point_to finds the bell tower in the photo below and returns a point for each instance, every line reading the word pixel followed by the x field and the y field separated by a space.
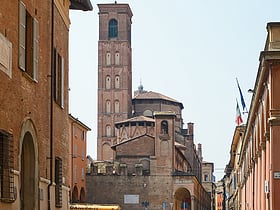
pixel 114 74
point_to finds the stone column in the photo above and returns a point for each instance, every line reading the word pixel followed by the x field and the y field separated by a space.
pixel 193 203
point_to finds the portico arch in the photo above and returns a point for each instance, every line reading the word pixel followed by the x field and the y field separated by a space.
pixel 75 195
pixel 29 175
pixel 82 195
pixel 182 199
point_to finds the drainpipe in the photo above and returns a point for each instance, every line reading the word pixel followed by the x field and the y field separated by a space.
pixel 51 106
pixel 253 155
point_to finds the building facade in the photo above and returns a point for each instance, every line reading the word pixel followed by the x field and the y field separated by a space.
pixel 78 160
pixel 114 74
pixel 208 180
pixel 220 195
pixel 34 158
pixel 150 168
pixel 255 169
pixel 142 148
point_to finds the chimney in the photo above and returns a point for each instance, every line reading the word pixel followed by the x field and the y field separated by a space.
pixel 199 151
pixel 190 131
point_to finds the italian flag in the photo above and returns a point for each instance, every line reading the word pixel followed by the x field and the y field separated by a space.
pixel 238 119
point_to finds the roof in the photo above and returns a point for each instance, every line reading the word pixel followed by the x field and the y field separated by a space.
pixel 131 139
pixel 147 95
pixel 136 119
pixel 116 7
pixel 84 5
pixel 180 146
pixel 71 117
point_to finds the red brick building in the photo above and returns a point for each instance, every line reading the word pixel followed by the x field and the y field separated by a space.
pixel 114 74
pixel 78 160
pixel 34 158
pixel 143 150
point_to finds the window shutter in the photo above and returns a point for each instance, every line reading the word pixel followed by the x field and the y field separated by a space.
pixel 62 82
pixel 55 72
pixel 35 49
pixel 83 174
pixel 22 38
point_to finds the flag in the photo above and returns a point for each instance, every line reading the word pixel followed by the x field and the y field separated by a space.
pixel 241 96
pixel 238 119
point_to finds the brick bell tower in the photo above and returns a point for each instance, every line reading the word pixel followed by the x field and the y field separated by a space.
pixel 114 74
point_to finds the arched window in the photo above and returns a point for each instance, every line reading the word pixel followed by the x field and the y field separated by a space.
pixel 108 82
pixel 113 28
pixel 206 178
pixel 108 58
pixel 117 106
pixel 108 106
pixel 108 130
pixel 117 82
pixel 164 127
pixel 117 58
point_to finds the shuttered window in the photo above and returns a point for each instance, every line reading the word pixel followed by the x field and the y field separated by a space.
pixel 28 42
pixel 22 29
pixel 58 78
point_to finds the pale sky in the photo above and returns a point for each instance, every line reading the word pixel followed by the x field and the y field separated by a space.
pixel 189 50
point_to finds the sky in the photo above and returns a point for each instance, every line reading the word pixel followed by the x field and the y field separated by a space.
pixel 189 50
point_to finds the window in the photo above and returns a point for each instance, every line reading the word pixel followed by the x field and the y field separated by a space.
pixel 58 182
pixel 28 43
pixel 58 79
pixel 75 174
pixel 75 151
pixel 108 106
pixel 117 106
pixel 117 58
pixel 108 58
pixel 113 28
pixel 83 174
pixel 83 135
pixel 117 82
pixel 108 130
pixel 206 177
pixel 108 82
pixel 75 131
pixel 164 127
pixel 83 154
pixel 6 167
